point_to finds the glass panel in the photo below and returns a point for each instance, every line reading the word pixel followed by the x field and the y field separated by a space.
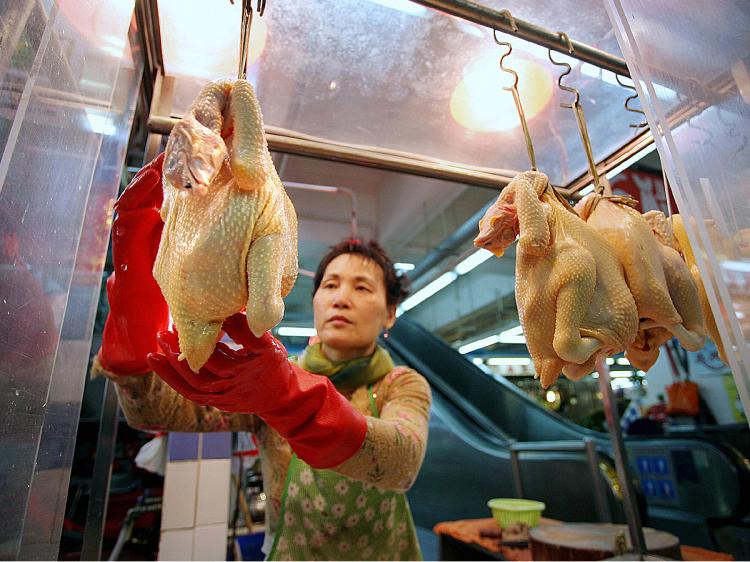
pixel 393 74
pixel 704 150
pixel 67 84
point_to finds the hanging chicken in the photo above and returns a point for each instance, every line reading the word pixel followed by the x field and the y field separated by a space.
pixel 230 232
pixel 664 292
pixel 572 299
pixel 674 235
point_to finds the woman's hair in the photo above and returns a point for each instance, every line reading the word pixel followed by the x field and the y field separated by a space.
pixel 396 286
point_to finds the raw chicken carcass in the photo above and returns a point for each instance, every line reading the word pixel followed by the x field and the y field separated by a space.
pixel 677 235
pixel 664 293
pixel 230 232
pixel 572 299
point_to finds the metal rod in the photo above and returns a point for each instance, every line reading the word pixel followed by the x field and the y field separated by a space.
pixel 245 25
pixel 515 465
pixel 526 134
pixel 405 163
pixel 600 493
pixel 99 493
pixel 494 19
pixel 332 189
pixel 632 514
pixel 584 131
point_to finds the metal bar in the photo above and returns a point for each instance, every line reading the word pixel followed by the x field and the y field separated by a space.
pixel 632 515
pixel 99 494
pixel 494 19
pixel 600 493
pixel 408 164
pixel 515 465
pixel 550 446
pixel 161 104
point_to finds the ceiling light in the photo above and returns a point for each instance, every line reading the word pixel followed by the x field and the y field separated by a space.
pixel 474 260
pixel 403 266
pixel 428 290
pixel 478 361
pixel 480 104
pixel 514 335
pixel 100 123
pixel 479 344
pixel 551 396
pixel 296 331
pixel 610 361
pixel 202 42
pixel 508 361
pixel 623 361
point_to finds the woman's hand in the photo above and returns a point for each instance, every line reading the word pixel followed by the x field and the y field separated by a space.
pixel 137 309
pixel 320 424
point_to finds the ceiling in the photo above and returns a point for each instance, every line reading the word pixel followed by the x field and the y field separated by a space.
pixel 396 75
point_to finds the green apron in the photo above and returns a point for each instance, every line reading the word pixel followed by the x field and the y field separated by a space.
pixel 327 516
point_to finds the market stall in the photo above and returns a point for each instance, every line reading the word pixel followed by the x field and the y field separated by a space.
pixel 388 119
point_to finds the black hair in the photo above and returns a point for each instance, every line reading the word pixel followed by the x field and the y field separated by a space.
pixel 396 286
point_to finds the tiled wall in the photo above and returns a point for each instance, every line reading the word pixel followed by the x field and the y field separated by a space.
pixel 196 497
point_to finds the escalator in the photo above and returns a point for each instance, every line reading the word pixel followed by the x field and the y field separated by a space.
pixel 692 487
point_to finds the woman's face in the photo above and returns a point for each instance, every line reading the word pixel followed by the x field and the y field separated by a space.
pixel 350 307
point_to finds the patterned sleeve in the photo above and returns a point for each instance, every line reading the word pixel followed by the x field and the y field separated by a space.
pixel 149 403
pixel 395 443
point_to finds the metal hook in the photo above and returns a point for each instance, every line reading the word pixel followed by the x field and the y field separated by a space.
pixel 578 110
pixel 511 19
pixel 733 134
pixel 627 103
pixel 245 25
pixel 709 135
pixel 514 90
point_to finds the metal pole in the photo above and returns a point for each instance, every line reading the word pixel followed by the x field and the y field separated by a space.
pixel 600 494
pixel 632 515
pixel 515 464
pixel 494 19
pixel 99 494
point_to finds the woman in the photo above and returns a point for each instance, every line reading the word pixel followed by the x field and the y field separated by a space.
pixel 342 434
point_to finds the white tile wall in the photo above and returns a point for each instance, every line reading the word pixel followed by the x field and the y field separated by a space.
pixel 178 510
pixel 213 492
pixel 176 544
pixel 210 542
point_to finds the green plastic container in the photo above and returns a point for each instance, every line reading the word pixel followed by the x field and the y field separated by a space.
pixel 507 511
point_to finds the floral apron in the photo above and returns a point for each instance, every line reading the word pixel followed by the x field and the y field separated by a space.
pixel 327 516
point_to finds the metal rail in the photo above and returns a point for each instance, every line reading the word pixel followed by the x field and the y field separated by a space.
pixel 494 19
pixel 392 160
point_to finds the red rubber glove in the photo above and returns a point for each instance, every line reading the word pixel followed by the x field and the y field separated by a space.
pixel 137 309
pixel 320 424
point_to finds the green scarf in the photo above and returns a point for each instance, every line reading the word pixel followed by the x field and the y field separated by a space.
pixel 351 374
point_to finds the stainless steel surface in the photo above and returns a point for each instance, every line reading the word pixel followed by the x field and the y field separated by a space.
pixel 483 15
pixel 624 475
pixel 96 513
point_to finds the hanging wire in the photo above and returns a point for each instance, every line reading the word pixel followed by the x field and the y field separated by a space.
pixel 245 26
pixel 514 89
pixel 578 110
pixel 643 123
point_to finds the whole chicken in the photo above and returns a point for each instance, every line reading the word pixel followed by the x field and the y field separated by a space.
pixel 664 293
pixel 675 236
pixel 572 299
pixel 230 232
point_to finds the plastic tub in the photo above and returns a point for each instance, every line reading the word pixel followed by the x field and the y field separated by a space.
pixel 507 511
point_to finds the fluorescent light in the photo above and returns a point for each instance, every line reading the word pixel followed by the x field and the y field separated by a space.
pixel 295 331
pixel 610 361
pixel 586 190
pixel 478 361
pixel 404 6
pixel 100 123
pixel 551 396
pixel 428 290
pixel 514 335
pixel 740 266
pixel 506 361
pixel 623 361
pixel 479 344
pixel 621 374
pixel 630 161
pixel 475 259
pixel 403 266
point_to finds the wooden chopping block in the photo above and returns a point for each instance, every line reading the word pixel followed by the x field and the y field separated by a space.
pixel 594 541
